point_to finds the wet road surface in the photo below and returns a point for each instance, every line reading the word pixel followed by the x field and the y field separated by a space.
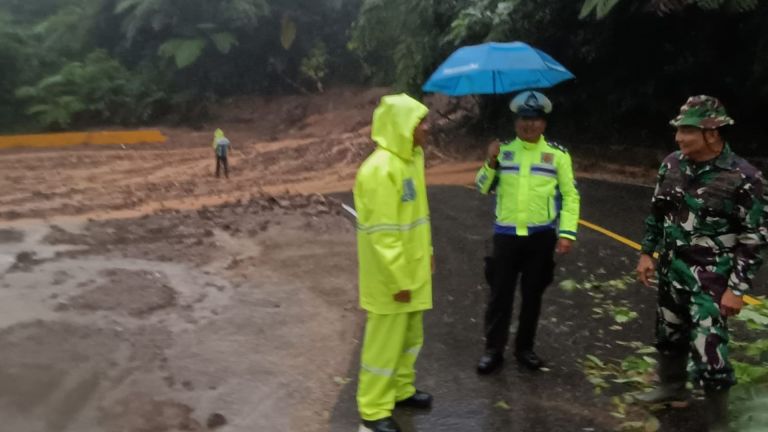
pixel 560 399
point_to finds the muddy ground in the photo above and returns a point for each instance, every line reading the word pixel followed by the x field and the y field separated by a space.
pixel 178 321
pixel 139 293
pixel 294 144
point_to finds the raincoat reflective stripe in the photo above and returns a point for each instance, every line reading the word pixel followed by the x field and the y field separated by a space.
pixel 391 227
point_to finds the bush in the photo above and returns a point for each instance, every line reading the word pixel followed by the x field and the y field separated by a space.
pixel 96 90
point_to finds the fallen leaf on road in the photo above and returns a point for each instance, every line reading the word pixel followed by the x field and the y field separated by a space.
pixel 341 380
pixel 569 285
pixel 502 404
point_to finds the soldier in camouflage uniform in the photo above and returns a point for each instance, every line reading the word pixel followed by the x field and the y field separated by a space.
pixel 707 222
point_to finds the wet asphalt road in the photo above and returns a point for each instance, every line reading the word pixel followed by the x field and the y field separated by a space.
pixel 560 399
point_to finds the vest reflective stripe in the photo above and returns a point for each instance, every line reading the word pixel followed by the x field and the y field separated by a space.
pixel 544 167
pixel 481 180
pixel 509 168
pixel 548 224
pixel 544 170
pixel 500 228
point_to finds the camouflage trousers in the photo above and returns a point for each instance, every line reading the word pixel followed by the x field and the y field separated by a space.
pixel 688 320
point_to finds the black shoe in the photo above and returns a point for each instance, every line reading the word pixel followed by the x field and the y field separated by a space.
pixel 529 359
pixel 489 363
pixel 386 424
pixel 419 400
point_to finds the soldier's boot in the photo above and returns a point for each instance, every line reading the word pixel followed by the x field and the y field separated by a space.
pixel 671 390
pixel 717 410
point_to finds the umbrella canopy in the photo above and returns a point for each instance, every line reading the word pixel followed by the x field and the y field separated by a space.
pixel 493 68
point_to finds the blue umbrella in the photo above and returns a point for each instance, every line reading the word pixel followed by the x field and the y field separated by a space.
pixel 493 68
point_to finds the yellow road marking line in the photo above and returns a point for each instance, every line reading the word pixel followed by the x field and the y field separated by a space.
pixel 613 235
pixel 636 246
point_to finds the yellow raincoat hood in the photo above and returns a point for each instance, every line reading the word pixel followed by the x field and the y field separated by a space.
pixel 394 121
pixel 216 135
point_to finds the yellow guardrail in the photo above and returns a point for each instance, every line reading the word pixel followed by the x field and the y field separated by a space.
pixel 82 138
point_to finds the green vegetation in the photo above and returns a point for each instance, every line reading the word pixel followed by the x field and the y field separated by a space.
pixel 77 63
pixel 98 89
pixel 602 7
pixel 618 377
pixel 635 62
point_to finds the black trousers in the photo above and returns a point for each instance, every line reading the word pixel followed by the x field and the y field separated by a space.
pixel 222 161
pixel 532 259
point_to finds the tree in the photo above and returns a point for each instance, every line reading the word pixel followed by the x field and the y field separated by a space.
pixel 315 65
pixel 396 38
pixel 601 8
pixel 14 57
pixel 634 65
pixel 187 28
pixel 95 90
pixel 67 32
pixel 308 44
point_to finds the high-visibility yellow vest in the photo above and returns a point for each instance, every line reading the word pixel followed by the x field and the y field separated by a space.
pixel 535 189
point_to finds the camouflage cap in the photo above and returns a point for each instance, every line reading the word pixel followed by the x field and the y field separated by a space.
pixel 705 112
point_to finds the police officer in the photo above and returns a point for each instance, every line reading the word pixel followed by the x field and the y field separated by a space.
pixel 537 212
pixel 395 260
pixel 707 223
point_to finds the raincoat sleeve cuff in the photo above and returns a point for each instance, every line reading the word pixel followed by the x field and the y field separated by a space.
pixel 484 178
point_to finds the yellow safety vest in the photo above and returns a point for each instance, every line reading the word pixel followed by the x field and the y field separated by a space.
pixel 535 189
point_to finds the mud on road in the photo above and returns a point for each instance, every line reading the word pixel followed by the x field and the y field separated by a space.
pixel 139 293
pixel 179 320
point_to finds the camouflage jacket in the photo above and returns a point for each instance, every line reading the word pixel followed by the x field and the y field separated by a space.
pixel 709 215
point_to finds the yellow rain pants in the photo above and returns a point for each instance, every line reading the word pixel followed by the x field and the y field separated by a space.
pixel 391 345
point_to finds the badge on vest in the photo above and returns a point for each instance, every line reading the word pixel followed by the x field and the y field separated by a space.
pixel 409 190
pixel 547 158
pixel 507 155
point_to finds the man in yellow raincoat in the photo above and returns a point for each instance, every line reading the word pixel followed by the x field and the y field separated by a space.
pixel 395 255
pixel 221 147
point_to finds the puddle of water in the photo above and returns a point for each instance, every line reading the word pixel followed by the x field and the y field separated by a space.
pixel 31 237
pixel 10 236
pixel 6 261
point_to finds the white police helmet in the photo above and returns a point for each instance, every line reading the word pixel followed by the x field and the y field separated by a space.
pixel 531 104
